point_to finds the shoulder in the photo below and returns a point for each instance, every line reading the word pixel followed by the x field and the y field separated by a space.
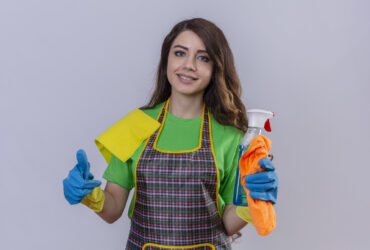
pixel 227 134
pixel 125 136
pixel 154 112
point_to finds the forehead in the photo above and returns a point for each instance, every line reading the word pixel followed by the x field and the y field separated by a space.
pixel 190 40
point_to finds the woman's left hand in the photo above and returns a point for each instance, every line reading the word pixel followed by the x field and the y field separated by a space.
pixel 263 185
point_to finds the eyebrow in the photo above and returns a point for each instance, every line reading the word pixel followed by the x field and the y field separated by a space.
pixel 185 48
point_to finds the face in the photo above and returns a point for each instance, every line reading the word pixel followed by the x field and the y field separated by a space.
pixel 189 67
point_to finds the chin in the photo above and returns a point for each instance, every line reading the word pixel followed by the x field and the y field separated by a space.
pixel 189 93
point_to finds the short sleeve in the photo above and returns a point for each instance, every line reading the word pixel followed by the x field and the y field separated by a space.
pixel 120 173
pixel 227 185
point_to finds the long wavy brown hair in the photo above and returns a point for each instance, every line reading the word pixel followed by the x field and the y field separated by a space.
pixel 223 93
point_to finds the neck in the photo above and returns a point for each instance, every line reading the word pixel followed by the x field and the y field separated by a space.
pixel 185 107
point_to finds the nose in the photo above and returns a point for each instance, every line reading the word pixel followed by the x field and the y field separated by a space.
pixel 190 64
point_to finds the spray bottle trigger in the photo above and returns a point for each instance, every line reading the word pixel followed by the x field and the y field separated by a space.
pixel 267 125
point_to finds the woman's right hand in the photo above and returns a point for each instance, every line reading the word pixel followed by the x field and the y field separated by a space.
pixel 79 181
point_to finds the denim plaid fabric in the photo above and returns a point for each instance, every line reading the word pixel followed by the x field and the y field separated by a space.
pixel 176 197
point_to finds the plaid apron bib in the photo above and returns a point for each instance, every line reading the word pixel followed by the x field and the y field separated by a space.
pixel 176 196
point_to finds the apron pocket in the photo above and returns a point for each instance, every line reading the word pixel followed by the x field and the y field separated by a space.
pixel 204 246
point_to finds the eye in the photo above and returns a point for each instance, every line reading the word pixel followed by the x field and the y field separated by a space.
pixel 179 53
pixel 204 58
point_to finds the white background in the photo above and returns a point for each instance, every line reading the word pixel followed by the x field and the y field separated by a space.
pixel 70 69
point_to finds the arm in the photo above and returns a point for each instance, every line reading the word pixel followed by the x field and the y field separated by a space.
pixel 232 222
pixel 80 187
pixel 114 203
pixel 262 186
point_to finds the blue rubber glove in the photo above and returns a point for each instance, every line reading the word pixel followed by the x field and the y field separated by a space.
pixel 79 182
pixel 263 185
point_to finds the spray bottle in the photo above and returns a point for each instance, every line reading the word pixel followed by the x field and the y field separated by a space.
pixel 257 119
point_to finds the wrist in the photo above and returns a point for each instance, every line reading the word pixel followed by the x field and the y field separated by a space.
pixel 95 200
pixel 245 214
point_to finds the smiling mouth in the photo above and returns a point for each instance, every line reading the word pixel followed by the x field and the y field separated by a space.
pixel 188 78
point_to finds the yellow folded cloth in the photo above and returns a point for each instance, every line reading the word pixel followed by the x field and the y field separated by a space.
pixel 95 199
pixel 125 136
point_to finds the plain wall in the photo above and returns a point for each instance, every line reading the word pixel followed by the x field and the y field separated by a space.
pixel 70 69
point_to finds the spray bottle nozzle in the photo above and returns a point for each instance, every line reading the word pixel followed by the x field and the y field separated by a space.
pixel 267 125
pixel 260 118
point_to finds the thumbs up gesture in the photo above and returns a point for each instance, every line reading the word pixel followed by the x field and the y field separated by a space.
pixel 79 181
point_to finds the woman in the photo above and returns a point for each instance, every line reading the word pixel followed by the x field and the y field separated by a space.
pixel 184 172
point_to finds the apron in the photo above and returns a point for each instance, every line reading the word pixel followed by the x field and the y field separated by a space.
pixel 176 196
